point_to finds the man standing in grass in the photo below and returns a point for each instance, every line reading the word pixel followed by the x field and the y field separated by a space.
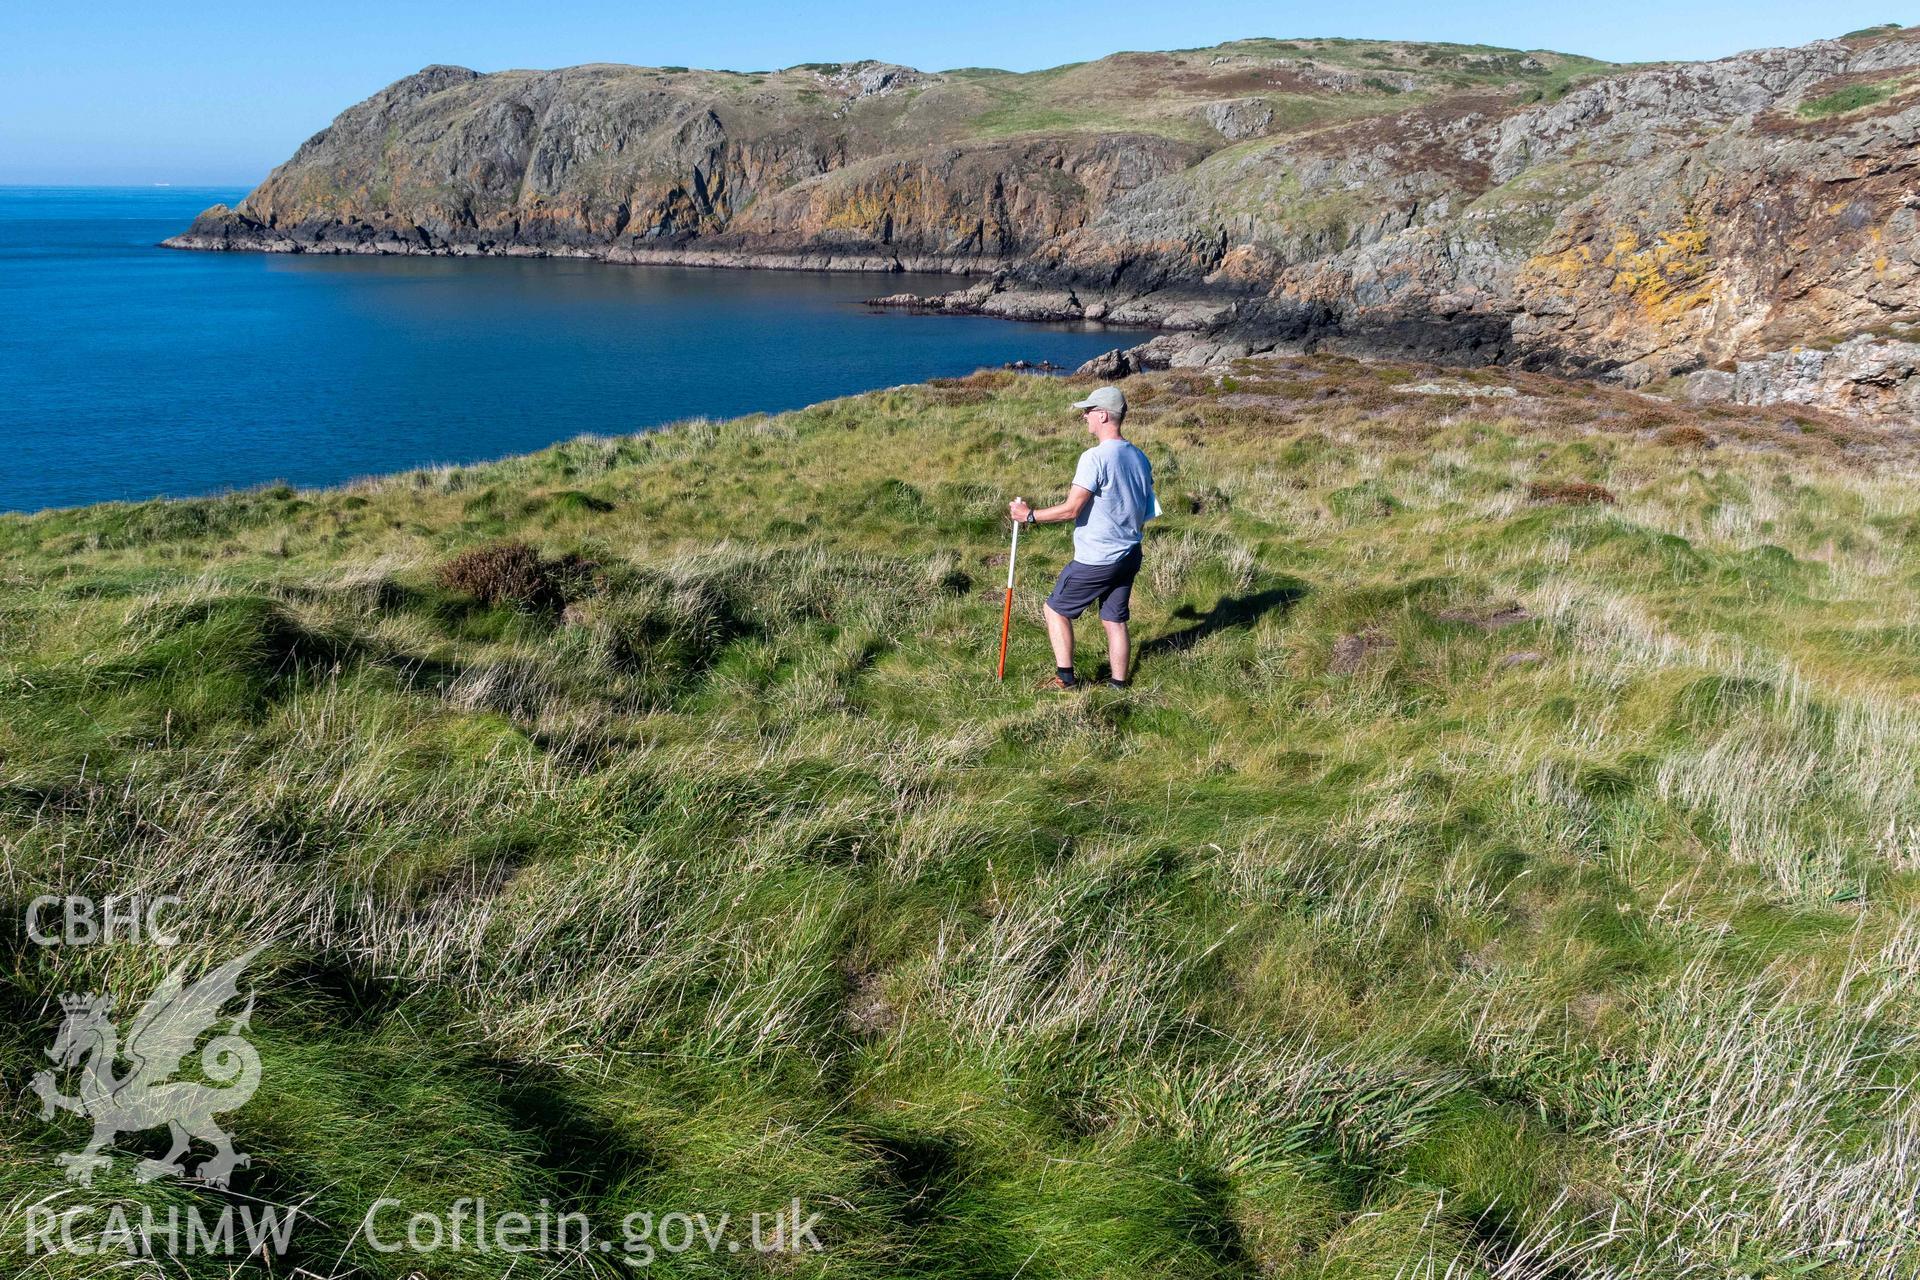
pixel 1110 503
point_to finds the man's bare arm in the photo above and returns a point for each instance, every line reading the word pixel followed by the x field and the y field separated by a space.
pixel 1077 499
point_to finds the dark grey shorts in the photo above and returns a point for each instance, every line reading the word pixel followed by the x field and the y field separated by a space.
pixel 1080 585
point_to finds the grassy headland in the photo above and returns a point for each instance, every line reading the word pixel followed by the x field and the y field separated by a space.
pixel 1503 866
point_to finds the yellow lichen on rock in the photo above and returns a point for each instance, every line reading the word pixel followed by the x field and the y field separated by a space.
pixel 1669 278
pixel 1563 268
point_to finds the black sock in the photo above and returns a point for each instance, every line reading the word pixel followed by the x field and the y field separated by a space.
pixel 1065 674
pixel 1116 682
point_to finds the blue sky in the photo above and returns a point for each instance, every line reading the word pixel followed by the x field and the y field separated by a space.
pixel 157 92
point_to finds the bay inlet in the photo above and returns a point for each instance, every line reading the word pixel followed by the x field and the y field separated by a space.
pixel 131 372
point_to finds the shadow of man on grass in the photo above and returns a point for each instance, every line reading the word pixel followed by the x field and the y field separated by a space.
pixel 1231 611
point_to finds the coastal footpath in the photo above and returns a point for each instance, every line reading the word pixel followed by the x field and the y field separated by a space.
pixel 1740 230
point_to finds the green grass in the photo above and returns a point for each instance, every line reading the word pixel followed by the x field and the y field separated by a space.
pixel 1466 887
pixel 1851 98
pixel 1161 93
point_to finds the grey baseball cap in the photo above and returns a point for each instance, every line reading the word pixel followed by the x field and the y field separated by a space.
pixel 1112 399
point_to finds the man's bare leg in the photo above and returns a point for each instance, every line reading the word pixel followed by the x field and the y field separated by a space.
pixel 1119 648
pixel 1060 633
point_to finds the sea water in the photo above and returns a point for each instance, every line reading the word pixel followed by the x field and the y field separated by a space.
pixel 128 371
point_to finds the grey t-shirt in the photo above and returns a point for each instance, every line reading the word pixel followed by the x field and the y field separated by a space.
pixel 1120 479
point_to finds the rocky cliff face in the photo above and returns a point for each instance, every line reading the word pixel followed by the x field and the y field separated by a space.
pixel 1744 219
pixel 865 167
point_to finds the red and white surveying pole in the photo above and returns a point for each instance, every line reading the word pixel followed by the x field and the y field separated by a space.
pixel 1006 611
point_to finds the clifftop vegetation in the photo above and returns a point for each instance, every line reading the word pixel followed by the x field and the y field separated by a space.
pixel 1504 865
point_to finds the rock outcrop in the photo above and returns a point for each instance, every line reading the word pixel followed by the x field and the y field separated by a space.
pixel 1868 375
pixel 1737 224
